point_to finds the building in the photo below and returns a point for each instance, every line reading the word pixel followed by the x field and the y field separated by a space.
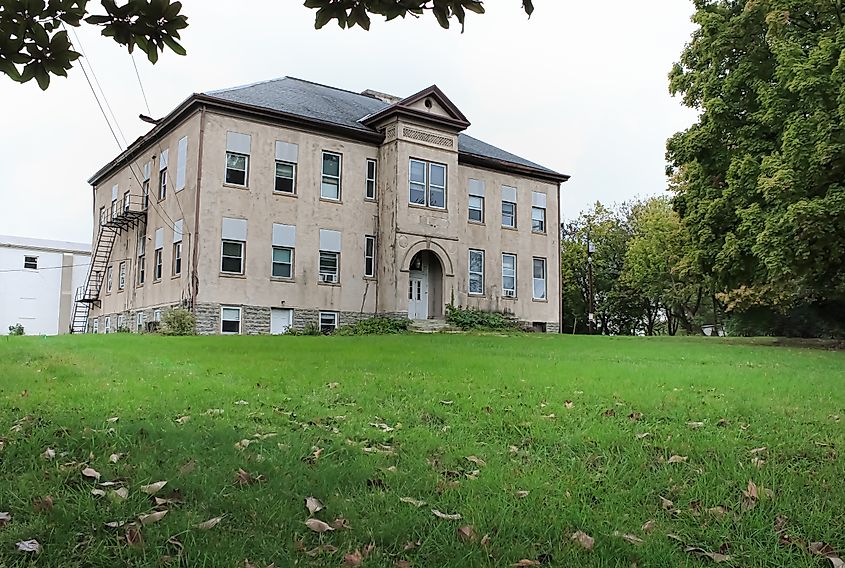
pixel 285 203
pixel 38 279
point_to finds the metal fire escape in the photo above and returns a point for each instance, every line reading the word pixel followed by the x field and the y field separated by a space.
pixel 121 216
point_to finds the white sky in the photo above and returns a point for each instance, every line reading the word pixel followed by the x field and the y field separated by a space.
pixel 581 87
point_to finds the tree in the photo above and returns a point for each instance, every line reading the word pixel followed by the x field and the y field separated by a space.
pixel 761 175
pixel 34 41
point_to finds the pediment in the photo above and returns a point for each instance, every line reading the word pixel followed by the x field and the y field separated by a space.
pixel 430 104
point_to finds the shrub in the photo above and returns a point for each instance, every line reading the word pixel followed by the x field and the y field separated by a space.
pixel 16 329
pixel 471 318
pixel 309 329
pixel 375 326
pixel 178 321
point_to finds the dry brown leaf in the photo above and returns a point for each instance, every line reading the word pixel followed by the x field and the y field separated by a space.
pixel 315 455
pixel 353 560
pixel 152 517
pixel 341 523
pixel 133 535
pixel 610 412
pixel 382 426
pixel 722 423
pixel 153 488
pixel 122 493
pixel 209 524
pixel 751 493
pixel 446 517
pixel 114 458
pixel 31 545
pixel 5 518
pixel 714 556
pixel 243 444
pixel 401 563
pixel 717 511
pixel 188 468
pixel 182 419
pixel 49 454
pixel 585 540
pixel 98 493
pixel 92 473
pixel 318 526
pixel 568 404
pixel 477 461
pixel 245 478
pixel 411 501
pixel 757 462
pixel 666 504
pixel 678 459
pixel 526 562
pixel 114 524
pixel 643 435
pixel 522 494
pixel 313 505
pixel 648 526
pixel 758 450
pixel 635 416
pixel 467 533
pixel 332 385
pixel 695 425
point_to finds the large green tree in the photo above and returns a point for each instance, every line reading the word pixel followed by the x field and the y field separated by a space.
pixel 34 41
pixel 760 177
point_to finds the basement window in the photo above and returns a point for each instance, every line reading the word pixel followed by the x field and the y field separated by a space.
pixel 328 322
pixel 230 320
pixel 30 262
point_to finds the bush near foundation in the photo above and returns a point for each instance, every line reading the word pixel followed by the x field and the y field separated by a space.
pixel 16 329
pixel 178 321
pixel 473 319
pixel 375 326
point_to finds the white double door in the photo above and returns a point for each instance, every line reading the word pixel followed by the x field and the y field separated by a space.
pixel 418 295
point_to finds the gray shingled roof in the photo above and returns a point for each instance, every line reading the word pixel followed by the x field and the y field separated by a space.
pixel 344 108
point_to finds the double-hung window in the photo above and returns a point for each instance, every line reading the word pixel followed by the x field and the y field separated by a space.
pixel 328 322
pixel 369 256
pixel 476 272
pixel 329 260
pixel 538 212
pixel 508 207
pixel 107 326
pixel 233 246
pixel 121 323
pixel 158 255
pixel 287 156
pixel 142 258
pixel 427 184
pixel 96 327
pixel 372 173
pixel 282 262
pixel 109 272
pixel 139 321
pixel 509 275
pixel 176 268
pixel 237 158
pixel 121 276
pixel 330 184
pixel 230 320
pixel 145 186
pixel 162 174
pixel 539 278
pixel 476 201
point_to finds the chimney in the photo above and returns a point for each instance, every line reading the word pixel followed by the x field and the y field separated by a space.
pixel 384 97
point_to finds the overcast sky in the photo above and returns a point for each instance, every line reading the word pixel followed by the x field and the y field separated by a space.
pixel 581 87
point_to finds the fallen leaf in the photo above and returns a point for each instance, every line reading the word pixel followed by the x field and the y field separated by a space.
pixel 49 454
pixel 758 450
pixel 245 478
pixel 630 538
pixel 401 563
pixel 114 524
pixel 313 505
pixel 585 540
pixel 353 560
pixel 133 535
pixel 526 562
pixel 717 511
pixel 29 546
pixel 43 504
pixel 153 488
pixel 98 493
pixel 183 419
pixel 522 494
pixel 5 518
pixel 648 526
pixel 209 524
pixel 318 526
pixel 122 493
pixel 446 517
pixel 188 467
pixel 412 501
pixel 340 523
pixel 241 403
pixel 643 435
pixel 152 517
pixel 695 425
pixel 214 412
pixel 467 533
pixel 634 416
pixel 714 556
pixel 610 412
pixel 113 419
pixel 722 423
pixel 568 404
pixel 92 473
pixel 114 458
pixel 243 444
pixel 678 459
pixel 826 550
pixel 757 462
pixel 477 461
pixel 333 385
pixel 315 455
pixel 382 426
pixel 666 504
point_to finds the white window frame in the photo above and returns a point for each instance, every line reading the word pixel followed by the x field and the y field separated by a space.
pixel 324 175
pixel 121 275
pixel 109 274
pixel 162 184
pixel 535 220
pixel 512 226
pixel 427 167
pixel 535 279
pixel 245 170
pixel 292 178
pixel 505 289
pixel 29 259
pixel 274 262
pixel 370 258
pixel 242 256
pixel 176 265
pixel 107 325
pixel 239 311
pixel 323 273
pixel 95 328
pixel 157 315
pixel 479 208
pixel 121 321
pixel 139 321
pixel 371 183
pixel 335 319
pixel 470 272
pixel 158 259
pixel 142 268
pixel 145 194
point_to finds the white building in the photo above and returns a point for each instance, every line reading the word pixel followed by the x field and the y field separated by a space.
pixel 38 280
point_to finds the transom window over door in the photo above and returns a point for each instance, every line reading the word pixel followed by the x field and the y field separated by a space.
pixel 330 184
pixel 427 184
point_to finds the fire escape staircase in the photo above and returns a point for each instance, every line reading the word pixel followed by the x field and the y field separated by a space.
pixel 121 216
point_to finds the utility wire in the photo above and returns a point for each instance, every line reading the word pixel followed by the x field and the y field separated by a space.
pixel 143 93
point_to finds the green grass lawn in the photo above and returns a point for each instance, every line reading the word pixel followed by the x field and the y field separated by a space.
pixel 362 422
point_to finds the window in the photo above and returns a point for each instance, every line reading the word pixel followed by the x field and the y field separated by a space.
pixel 476 209
pixel 282 262
pixel 177 258
pixel 233 257
pixel 162 184
pixel 539 278
pixel 96 326
pixel 509 275
pixel 329 262
pixel 107 326
pixel 142 259
pixel 109 272
pixel 139 321
pixel 157 316
pixel 427 183
pixel 330 185
pixel 30 262
pixel 102 215
pixel 328 322
pixel 538 219
pixel 237 158
pixel 230 320
pixel 121 322
pixel 157 266
pixel 509 214
pixel 285 177
pixel 476 272
pixel 181 163
pixel 369 256
pixel 121 276
pixel 372 167
pixel 145 200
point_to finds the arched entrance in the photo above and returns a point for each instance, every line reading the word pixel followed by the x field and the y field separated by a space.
pixel 425 286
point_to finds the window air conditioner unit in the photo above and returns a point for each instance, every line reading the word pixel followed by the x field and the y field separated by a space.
pixel 328 278
pixel 510 293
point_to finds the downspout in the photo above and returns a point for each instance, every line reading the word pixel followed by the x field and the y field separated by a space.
pixel 559 266
pixel 195 237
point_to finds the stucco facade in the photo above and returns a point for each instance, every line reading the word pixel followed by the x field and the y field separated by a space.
pixel 234 214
